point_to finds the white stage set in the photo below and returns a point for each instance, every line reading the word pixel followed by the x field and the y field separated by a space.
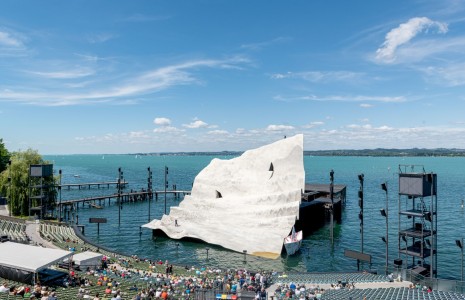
pixel 246 203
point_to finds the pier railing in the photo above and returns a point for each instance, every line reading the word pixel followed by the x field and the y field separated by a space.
pixel 440 284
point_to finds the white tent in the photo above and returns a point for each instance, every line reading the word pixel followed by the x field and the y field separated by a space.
pixel 19 261
pixel 88 259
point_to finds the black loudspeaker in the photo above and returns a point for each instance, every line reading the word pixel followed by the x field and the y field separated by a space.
pixel 398 262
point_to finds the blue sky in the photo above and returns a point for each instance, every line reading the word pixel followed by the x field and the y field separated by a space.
pixel 154 76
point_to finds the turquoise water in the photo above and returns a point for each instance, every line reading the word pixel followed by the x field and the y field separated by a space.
pixel 320 256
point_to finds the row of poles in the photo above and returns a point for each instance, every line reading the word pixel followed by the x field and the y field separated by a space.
pixel 120 191
pixel 149 190
pixel 384 213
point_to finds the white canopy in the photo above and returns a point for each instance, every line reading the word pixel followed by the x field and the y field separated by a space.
pixel 87 258
pixel 29 258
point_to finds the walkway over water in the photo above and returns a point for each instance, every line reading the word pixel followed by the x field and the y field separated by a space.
pixel 93 184
pixel 125 197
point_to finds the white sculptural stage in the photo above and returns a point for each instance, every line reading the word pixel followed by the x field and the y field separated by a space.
pixel 247 203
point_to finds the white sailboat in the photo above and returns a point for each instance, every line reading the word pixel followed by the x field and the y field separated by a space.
pixel 293 242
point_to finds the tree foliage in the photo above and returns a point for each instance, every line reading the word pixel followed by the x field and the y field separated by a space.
pixel 4 156
pixel 18 194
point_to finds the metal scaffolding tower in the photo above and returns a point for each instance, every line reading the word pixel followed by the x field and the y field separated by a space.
pixel 417 238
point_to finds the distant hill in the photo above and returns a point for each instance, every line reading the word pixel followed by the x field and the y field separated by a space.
pixel 389 152
pixel 365 152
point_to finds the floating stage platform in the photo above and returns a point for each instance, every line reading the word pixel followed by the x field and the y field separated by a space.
pixel 315 207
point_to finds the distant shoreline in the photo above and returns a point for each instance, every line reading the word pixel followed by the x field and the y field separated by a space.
pixel 380 152
pixel 364 152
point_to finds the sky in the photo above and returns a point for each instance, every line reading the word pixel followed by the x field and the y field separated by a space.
pixel 84 77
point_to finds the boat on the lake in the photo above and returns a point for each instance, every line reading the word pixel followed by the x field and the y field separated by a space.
pixel 293 242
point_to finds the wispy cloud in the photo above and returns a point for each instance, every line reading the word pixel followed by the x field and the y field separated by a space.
pixel 449 75
pixel 6 39
pixel 366 105
pixel 357 98
pixel 313 124
pixel 100 37
pixel 131 86
pixel 320 76
pixel 403 34
pixel 260 45
pixel 66 74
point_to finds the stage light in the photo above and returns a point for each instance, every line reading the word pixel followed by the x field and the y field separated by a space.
pixel 459 243
pixel 384 186
pixel 428 217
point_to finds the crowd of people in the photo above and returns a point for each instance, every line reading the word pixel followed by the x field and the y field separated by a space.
pixel 29 292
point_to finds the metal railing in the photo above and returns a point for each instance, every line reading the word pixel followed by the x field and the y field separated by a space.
pixel 445 285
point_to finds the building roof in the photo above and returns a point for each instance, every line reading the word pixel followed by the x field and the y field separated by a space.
pixel 29 258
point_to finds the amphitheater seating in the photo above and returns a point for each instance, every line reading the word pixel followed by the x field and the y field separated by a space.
pixel 328 278
pixel 390 293
pixel 15 229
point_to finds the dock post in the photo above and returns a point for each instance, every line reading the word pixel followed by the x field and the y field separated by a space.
pixel 166 184
pixel 331 194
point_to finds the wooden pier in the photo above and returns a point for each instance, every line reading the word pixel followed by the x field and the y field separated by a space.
pixel 89 185
pixel 125 197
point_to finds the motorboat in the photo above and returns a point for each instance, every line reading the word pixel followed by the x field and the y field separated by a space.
pixel 293 242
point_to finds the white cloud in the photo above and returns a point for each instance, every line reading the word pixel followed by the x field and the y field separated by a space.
pixel 7 40
pixel 356 98
pixel 366 105
pixel 261 45
pixel 138 134
pixel 77 73
pixel 451 75
pixel 162 121
pixel 320 76
pixel 196 124
pixel 279 127
pixel 100 37
pixel 218 132
pixel 403 34
pixel 134 85
pixel 313 124
pixel 166 129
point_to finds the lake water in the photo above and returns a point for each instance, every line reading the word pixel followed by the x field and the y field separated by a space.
pixel 318 254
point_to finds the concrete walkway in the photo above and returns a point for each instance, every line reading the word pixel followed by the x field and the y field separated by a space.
pixel 4 210
pixel 32 231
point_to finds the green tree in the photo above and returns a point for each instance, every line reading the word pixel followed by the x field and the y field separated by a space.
pixel 4 156
pixel 19 191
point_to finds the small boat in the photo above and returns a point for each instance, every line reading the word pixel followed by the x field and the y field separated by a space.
pixel 95 205
pixel 293 242
pixel 77 175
